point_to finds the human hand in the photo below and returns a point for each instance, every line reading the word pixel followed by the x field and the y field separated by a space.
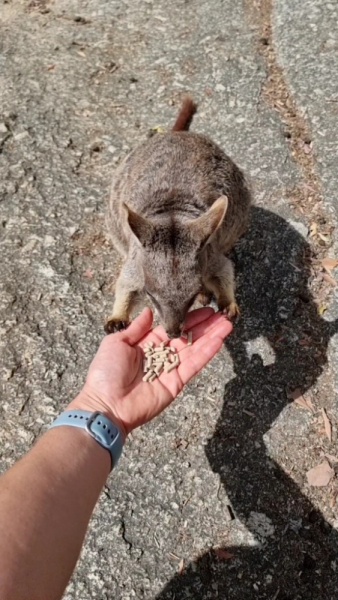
pixel 114 383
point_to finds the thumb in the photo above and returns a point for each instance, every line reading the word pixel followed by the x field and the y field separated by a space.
pixel 138 328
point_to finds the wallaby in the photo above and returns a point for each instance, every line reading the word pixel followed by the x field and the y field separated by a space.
pixel 178 204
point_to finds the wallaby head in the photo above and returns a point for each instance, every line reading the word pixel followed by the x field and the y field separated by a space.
pixel 171 252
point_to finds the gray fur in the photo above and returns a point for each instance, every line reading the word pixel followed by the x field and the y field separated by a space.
pixel 164 220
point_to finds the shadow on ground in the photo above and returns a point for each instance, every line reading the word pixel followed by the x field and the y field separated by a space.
pixel 296 556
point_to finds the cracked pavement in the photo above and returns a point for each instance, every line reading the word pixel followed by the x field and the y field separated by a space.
pixel 80 85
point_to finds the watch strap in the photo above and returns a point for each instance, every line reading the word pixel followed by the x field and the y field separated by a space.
pixel 99 427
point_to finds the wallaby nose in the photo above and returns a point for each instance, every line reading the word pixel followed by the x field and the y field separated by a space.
pixel 175 331
pixel 173 334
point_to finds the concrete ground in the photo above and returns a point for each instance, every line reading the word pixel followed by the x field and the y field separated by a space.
pixel 211 500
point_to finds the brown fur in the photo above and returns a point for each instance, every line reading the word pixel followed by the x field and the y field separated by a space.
pixel 178 204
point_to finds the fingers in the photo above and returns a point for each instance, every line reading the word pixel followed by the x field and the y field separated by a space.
pixel 194 358
pixel 198 321
pixel 197 359
pixel 219 328
pixel 197 316
pixel 138 328
pixel 205 328
pixel 194 318
pixel 201 322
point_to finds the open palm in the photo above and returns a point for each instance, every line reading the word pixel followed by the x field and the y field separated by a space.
pixel 114 383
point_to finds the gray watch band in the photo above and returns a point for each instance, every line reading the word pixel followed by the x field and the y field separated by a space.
pixel 98 426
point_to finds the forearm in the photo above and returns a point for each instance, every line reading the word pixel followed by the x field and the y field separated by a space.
pixel 42 523
pixel 46 499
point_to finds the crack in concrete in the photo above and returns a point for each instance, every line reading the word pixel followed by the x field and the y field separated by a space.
pixel 306 197
pixel 4 140
pixel 123 533
pixel 24 404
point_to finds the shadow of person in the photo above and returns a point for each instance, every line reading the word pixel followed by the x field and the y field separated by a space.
pixel 294 554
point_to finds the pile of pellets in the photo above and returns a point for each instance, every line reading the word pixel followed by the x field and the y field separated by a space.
pixel 159 359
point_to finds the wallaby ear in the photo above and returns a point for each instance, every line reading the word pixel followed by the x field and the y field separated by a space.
pixel 141 227
pixel 203 227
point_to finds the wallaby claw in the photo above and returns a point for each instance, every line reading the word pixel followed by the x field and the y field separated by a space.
pixel 232 311
pixel 114 325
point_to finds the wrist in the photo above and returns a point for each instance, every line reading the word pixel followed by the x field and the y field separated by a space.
pixel 95 425
pixel 61 443
pixel 88 400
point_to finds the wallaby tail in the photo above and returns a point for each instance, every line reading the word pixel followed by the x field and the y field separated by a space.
pixel 185 115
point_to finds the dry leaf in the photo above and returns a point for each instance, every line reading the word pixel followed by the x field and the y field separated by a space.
pixel 310 405
pixel 329 264
pixel 158 129
pixel 313 229
pixel 50 67
pixel 320 475
pixel 327 424
pixel 298 398
pixel 180 566
pixel 301 401
pixel 325 238
pixel 223 554
pixel 321 309
pixel 305 403
pixel 329 279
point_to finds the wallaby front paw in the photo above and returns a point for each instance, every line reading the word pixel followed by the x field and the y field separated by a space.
pixel 114 325
pixel 232 310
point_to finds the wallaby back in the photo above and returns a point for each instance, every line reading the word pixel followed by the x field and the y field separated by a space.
pixel 178 204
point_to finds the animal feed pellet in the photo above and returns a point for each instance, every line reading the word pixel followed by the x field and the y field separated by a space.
pixel 159 359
